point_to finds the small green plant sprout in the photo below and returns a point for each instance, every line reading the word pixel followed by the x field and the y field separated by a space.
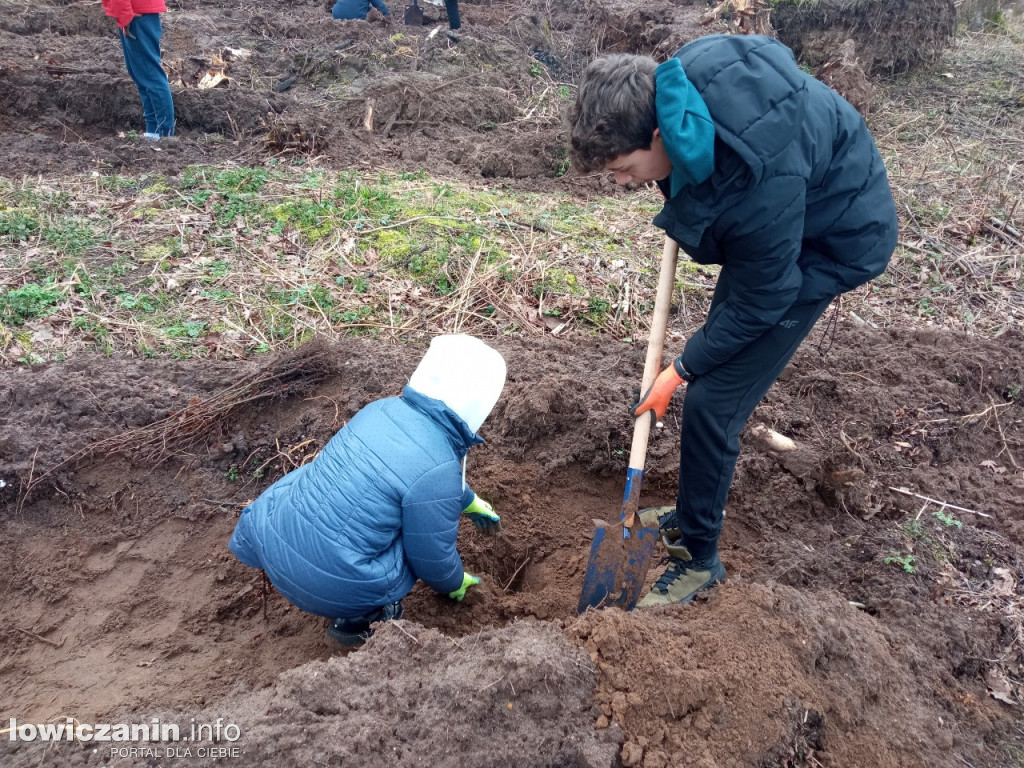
pixel 232 473
pixel 913 529
pixel 906 562
pixel 28 302
pixel 17 225
pixel 947 519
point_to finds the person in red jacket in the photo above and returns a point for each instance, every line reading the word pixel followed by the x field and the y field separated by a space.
pixel 138 25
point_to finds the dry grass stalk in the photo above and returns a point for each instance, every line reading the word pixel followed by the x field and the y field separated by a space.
pixel 295 373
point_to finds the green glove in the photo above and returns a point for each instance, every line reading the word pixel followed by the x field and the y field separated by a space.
pixel 483 516
pixel 467 582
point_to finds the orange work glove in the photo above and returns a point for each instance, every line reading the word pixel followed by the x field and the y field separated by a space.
pixel 657 398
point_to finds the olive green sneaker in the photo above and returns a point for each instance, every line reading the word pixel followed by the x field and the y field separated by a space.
pixel 664 518
pixel 684 578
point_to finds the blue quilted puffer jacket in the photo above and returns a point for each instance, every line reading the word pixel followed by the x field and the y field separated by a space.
pixel 376 510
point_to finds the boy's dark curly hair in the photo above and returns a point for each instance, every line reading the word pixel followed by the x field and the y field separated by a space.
pixel 614 111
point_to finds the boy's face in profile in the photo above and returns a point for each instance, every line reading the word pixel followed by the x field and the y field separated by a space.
pixel 641 166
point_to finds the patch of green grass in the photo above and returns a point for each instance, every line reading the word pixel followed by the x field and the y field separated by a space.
pixel 196 255
pixel 218 296
pixel 906 562
pixel 70 236
pixel 947 519
pixel 597 311
pixel 168 248
pixel 315 220
pixel 243 180
pixel 92 328
pixel 186 329
pixel 18 225
pixel 29 302
pixel 310 296
pixel 395 246
pixel 237 210
pixel 137 301
pixel 118 184
pixel 216 270
pixel 558 281
pixel 366 206
pixel 352 316
pixel 431 268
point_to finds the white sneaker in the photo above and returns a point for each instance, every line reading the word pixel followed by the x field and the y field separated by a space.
pixel 151 136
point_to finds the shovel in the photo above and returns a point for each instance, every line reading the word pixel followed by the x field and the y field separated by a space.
pixel 620 554
pixel 414 14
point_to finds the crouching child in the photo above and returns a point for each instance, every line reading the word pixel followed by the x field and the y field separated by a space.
pixel 347 535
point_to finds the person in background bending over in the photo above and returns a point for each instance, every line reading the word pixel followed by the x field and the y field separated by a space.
pixel 348 534
pixel 770 174
pixel 138 25
pixel 357 9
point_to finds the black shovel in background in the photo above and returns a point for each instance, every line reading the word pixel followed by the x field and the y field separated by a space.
pixel 414 14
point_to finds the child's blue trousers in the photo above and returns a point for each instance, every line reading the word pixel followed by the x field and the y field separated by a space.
pixel 141 45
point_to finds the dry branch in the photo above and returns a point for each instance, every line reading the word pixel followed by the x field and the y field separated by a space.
pixel 942 504
pixel 289 375
pixel 40 638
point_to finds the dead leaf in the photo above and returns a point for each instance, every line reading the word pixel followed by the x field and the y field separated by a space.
pixel 1003 583
pixel 213 79
pixel 999 687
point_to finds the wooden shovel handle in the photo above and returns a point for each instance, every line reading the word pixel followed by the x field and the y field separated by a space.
pixel 655 346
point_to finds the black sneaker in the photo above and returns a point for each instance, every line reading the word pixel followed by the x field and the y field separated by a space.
pixel 357 631
pixel 683 579
pixel 665 517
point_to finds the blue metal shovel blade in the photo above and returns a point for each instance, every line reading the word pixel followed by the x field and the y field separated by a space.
pixel 619 557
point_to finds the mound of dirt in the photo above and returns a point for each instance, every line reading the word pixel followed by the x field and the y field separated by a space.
pixel 874 574
pixel 888 37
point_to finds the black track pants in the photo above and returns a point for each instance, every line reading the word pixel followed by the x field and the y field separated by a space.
pixel 715 411
pixel 452 8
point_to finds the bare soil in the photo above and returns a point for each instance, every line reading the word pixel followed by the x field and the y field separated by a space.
pixel 873 614
pixel 368 94
pixel 121 599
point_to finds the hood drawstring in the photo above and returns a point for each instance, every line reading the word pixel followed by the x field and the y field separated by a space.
pixel 831 325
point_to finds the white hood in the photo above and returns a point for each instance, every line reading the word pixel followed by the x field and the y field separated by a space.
pixel 464 373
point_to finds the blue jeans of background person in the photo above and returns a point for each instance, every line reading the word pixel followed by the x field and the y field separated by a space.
pixel 358 9
pixel 715 411
pixel 141 47
pixel 452 9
